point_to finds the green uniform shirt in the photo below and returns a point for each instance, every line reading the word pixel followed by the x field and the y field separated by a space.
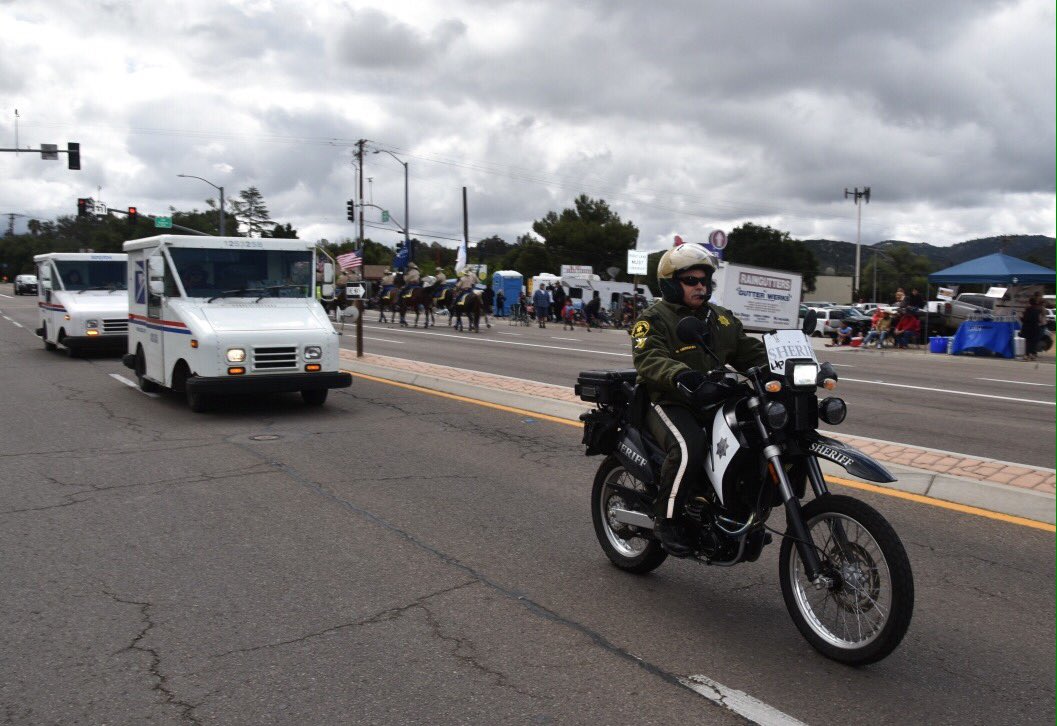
pixel 659 355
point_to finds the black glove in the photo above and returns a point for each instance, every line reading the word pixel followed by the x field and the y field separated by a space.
pixel 700 390
pixel 689 379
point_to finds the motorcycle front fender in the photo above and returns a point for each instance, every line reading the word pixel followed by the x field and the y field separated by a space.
pixel 854 461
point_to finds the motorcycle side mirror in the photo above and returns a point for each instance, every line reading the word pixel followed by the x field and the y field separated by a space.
pixel 691 330
pixel 810 319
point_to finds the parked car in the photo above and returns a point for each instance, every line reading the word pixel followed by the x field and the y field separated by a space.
pixel 25 284
pixel 819 304
pixel 830 320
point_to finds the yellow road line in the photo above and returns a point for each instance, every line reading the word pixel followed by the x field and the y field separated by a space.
pixel 920 499
pixel 964 508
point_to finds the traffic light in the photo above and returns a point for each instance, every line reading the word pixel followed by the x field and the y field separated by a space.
pixel 73 155
pixel 351 207
pixel 133 216
pixel 82 207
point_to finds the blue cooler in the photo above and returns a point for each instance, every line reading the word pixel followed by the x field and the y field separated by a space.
pixel 938 344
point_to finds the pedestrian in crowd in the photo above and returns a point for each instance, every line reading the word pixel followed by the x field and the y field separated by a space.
pixel 900 298
pixel 843 334
pixel 591 310
pixel 522 304
pixel 907 329
pixel 557 300
pixel 500 304
pixel 881 327
pixel 488 298
pixel 915 299
pixel 1032 323
pixel 541 301
pixel 568 314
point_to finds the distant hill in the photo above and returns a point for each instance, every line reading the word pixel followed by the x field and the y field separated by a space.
pixel 838 258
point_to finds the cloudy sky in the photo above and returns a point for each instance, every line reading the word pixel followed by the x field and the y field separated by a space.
pixel 685 116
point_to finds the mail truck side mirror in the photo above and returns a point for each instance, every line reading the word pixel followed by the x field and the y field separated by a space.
pixel 328 276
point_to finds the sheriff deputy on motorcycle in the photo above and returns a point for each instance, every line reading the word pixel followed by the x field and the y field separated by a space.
pixel 663 362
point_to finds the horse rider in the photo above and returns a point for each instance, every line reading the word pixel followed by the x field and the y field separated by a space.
pixel 413 275
pixel 465 284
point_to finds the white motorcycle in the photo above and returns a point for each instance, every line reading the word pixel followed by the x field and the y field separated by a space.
pixel 844 573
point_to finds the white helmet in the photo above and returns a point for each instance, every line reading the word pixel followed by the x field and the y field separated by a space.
pixel 677 259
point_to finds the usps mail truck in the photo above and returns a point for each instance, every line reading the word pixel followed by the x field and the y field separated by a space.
pixel 82 301
pixel 231 315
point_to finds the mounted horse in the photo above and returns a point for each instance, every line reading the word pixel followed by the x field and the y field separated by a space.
pixel 387 299
pixel 417 297
pixel 467 302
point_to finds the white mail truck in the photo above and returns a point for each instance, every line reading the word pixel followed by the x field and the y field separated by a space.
pixel 231 315
pixel 82 301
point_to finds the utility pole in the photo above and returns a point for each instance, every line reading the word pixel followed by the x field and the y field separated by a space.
pixel 864 194
pixel 359 303
pixel 465 225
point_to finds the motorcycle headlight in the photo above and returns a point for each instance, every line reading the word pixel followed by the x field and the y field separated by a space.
pixel 91 324
pixel 236 355
pixel 832 410
pixel 777 415
pixel 803 374
pixel 313 352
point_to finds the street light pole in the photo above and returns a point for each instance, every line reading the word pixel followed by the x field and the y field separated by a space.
pixel 219 189
pixel 407 219
pixel 864 194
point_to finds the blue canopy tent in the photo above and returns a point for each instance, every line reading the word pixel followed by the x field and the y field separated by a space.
pixel 997 268
pixel 994 268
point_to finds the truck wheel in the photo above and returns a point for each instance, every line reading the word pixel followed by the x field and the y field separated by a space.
pixel 315 398
pixel 44 336
pixel 146 385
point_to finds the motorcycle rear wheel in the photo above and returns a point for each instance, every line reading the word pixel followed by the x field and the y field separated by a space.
pixel 627 547
pixel 864 616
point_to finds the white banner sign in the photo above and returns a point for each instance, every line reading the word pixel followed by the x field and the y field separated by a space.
pixel 576 270
pixel 946 293
pixel 637 262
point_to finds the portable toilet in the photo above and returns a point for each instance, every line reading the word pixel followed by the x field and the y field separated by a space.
pixel 510 282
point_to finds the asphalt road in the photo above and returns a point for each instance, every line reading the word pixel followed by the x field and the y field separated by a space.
pixel 397 557
pixel 991 408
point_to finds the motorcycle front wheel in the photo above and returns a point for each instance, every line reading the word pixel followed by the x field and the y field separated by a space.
pixel 865 613
pixel 629 548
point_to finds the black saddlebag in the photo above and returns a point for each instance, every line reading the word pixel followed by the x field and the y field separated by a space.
pixel 601 428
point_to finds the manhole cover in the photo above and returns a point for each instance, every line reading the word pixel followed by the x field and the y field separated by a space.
pixel 265 437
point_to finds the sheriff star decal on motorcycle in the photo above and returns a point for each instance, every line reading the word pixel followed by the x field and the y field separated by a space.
pixel 721 448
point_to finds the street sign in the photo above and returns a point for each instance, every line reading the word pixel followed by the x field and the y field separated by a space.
pixel 385 215
pixel 49 152
pixel 355 291
pixel 163 222
pixel 99 208
pixel 718 239
pixel 637 262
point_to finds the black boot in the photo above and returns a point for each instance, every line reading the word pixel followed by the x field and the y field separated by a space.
pixel 670 535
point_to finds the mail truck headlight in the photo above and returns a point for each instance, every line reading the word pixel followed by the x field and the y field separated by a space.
pixel 91 324
pixel 313 352
pixel 236 355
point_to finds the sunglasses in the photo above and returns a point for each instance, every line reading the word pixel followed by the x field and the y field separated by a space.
pixel 694 281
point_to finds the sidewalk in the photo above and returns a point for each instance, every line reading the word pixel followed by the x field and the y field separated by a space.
pixel 1014 489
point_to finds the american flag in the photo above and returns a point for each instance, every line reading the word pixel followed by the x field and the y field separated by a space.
pixel 350 261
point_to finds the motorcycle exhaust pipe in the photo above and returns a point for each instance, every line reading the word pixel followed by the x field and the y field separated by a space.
pixel 636 519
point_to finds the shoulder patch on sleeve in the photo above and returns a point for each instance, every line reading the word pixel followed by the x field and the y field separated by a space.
pixel 641 329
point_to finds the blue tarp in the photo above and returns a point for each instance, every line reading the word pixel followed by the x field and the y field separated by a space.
pixel 994 268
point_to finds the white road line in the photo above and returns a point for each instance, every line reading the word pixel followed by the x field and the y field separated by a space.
pixel 384 340
pixel 575 340
pixel 1023 383
pixel 502 333
pixel 740 703
pixel 3 295
pixel 955 393
pixel 469 337
pixel 130 384
pixel 16 324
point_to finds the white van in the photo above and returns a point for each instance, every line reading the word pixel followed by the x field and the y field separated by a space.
pixel 230 315
pixel 82 301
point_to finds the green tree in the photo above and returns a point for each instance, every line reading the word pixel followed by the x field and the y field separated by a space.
pixel 250 210
pixel 751 244
pixel 588 234
pixel 529 257
pixel 897 267
pixel 282 231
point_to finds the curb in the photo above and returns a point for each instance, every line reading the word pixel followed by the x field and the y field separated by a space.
pixel 990 496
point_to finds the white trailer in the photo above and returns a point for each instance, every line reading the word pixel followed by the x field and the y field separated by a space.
pixel 761 299
pixel 230 315
pixel 82 302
